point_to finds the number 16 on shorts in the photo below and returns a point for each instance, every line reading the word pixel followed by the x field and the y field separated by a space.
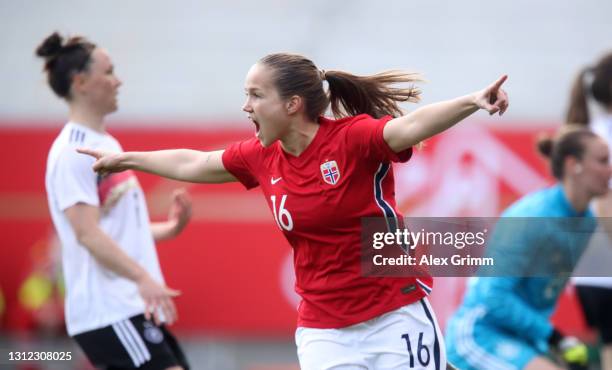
pixel 421 352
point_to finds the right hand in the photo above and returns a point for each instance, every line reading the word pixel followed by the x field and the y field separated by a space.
pixel 106 161
pixel 158 298
pixel 493 98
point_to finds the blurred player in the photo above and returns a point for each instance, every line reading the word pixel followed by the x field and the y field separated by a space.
pixel 320 176
pixel 113 279
pixel 503 322
pixel 595 293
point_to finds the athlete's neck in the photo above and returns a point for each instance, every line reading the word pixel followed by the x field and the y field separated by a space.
pixel 579 200
pixel 300 136
pixel 87 117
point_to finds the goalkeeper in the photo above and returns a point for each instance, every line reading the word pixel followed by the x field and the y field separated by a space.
pixel 503 321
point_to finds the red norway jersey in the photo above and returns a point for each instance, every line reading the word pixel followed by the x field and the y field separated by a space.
pixel 317 200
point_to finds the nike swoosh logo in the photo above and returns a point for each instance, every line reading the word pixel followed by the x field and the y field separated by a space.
pixel 274 181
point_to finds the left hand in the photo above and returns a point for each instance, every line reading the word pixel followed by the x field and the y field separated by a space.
pixel 493 98
pixel 574 353
pixel 180 211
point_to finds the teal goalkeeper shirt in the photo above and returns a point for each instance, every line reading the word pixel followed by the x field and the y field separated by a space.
pixel 534 253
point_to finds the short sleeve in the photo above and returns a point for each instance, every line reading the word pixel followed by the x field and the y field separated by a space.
pixel 75 180
pixel 236 159
pixel 365 135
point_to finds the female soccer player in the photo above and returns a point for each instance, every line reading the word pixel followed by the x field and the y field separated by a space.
pixel 320 176
pixel 595 293
pixel 503 322
pixel 113 278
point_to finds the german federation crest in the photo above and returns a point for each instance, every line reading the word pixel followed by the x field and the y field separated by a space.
pixel 152 333
pixel 330 172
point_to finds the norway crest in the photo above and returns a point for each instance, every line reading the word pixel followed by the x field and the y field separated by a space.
pixel 330 172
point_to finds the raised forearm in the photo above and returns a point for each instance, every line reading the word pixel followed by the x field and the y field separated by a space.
pixel 178 164
pixel 163 230
pixel 437 117
pixel 406 131
pixel 173 164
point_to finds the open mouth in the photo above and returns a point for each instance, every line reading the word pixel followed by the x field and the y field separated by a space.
pixel 256 125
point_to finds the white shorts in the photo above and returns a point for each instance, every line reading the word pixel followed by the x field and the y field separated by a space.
pixel 407 338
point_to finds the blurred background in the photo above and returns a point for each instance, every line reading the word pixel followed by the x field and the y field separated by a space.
pixel 183 64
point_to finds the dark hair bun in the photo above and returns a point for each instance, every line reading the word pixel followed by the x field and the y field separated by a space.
pixel 545 146
pixel 51 47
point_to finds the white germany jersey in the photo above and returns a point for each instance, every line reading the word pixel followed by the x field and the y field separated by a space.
pixel 95 296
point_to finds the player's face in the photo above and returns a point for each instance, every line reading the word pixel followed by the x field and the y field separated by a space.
pixel 597 171
pixel 264 106
pixel 100 86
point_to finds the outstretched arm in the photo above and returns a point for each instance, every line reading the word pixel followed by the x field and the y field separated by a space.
pixel 404 132
pixel 178 164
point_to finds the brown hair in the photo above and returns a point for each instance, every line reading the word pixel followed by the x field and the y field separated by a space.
pixel 348 94
pixel 600 88
pixel 64 60
pixel 570 141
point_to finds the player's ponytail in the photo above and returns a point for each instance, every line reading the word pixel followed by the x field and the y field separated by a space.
pixel 591 81
pixel 63 60
pixel 375 95
pixel 578 111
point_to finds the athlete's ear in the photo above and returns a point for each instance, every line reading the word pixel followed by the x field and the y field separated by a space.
pixel 572 165
pixel 78 82
pixel 578 169
pixel 294 104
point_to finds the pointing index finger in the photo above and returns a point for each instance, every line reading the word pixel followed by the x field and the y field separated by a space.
pixel 499 82
pixel 88 151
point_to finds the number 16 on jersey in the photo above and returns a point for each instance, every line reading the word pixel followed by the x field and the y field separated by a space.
pixel 282 216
